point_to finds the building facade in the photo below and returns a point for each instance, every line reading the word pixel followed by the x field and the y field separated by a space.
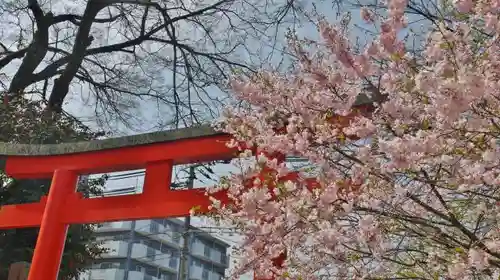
pixel 151 249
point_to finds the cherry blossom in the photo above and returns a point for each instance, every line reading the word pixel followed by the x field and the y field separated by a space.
pixel 403 148
pixel 367 15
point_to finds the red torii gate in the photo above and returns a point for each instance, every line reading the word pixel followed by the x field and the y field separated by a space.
pixel 156 152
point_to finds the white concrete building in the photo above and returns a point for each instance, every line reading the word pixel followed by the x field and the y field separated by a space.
pixel 150 250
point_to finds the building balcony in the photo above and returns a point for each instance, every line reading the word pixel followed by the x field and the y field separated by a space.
pixel 167 262
pixel 140 251
pixel 104 274
pixel 225 260
pixel 195 272
pixel 116 249
pixel 198 273
pixel 115 226
pixel 199 251
pixel 115 274
pixel 214 276
pixel 137 275
pixel 159 232
pixel 219 257
pixel 151 256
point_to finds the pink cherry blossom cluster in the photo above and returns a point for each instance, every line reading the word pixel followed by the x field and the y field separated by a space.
pixel 408 187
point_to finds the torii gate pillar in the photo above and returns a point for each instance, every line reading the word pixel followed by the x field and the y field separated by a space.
pixel 52 235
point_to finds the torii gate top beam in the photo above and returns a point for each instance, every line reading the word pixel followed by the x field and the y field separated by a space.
pixel 14 149
pixel 182 146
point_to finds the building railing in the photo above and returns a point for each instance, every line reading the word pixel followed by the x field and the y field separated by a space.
pixel 112 226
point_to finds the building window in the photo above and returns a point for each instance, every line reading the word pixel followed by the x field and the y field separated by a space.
pixel 106 265
pixel 166 276
pixel 204 274
pixel 119 237
pixel 151 253
pixel 104 238
pixel 206 251
pixel 196 242
pixel 144 242
pixel 196 263
pixel 109 265
pixel 172 262
pixel 165 250
pixel 154 227
pixel 219 248
pixel 140 268
pixel 95 266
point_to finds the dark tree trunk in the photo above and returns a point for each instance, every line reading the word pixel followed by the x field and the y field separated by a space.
pixel 82 41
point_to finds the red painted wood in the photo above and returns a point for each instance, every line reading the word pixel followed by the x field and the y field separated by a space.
pixel 79 210
pixel 52 235
pixel 158 201
pixel 129 158
pixel 157 179
pixel 131 207
pixel 21 215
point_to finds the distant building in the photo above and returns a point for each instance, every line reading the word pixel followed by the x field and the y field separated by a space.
pixel 150 250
